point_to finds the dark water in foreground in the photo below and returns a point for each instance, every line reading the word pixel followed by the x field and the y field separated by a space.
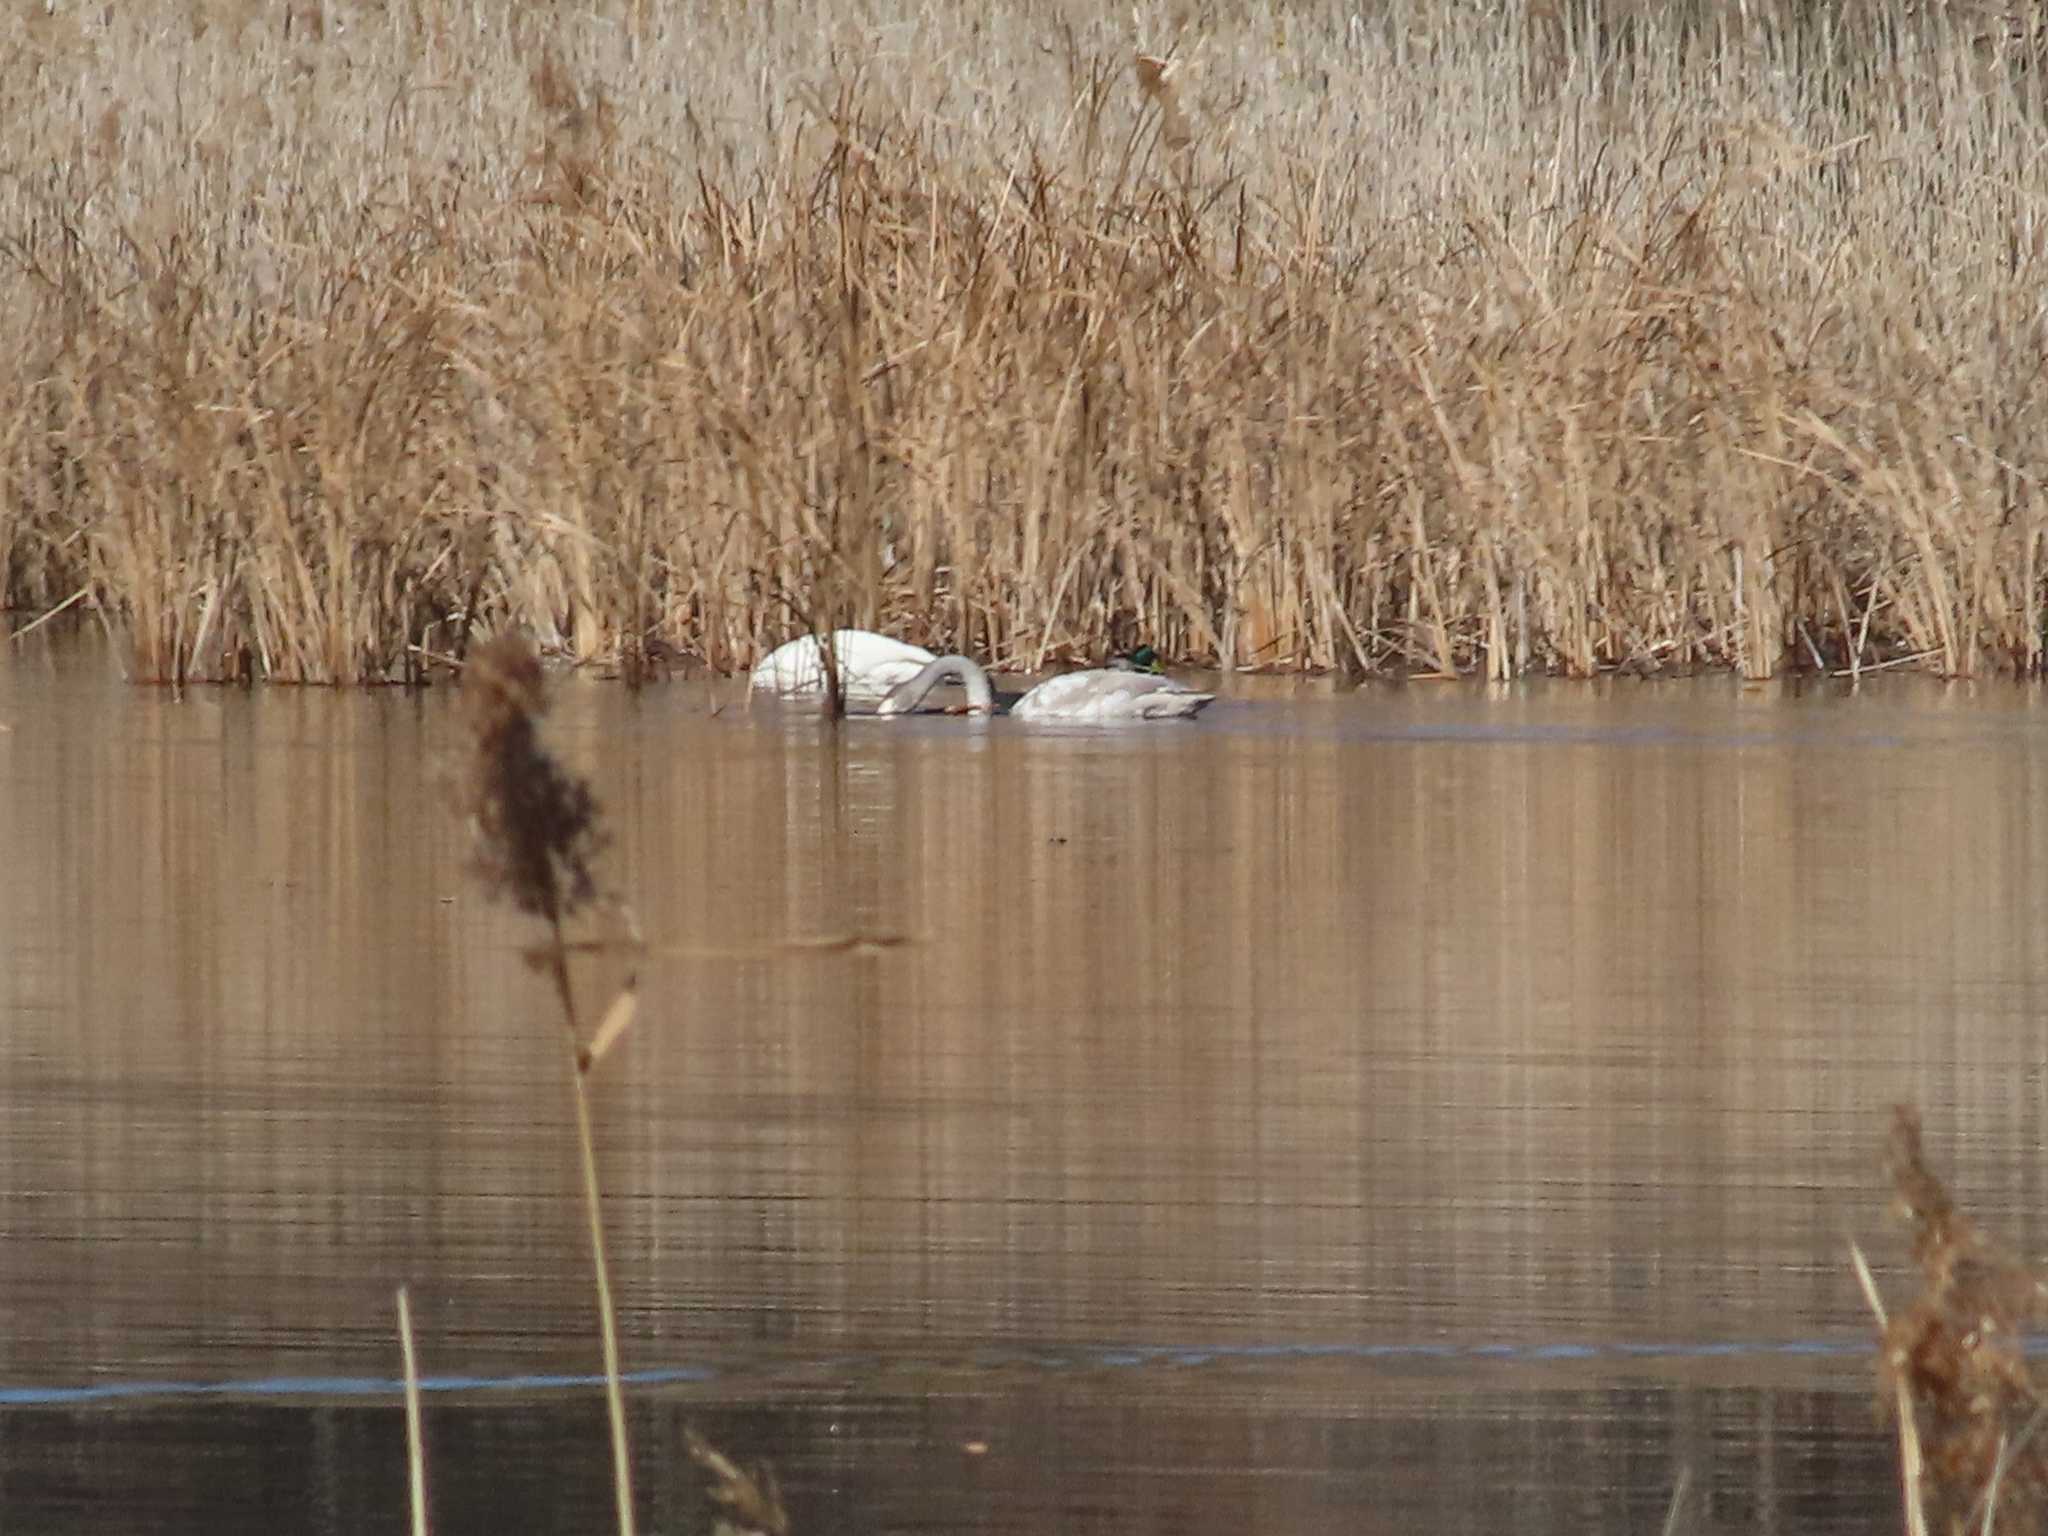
pixel 1406 1111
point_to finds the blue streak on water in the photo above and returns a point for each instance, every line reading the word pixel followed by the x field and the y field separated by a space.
pixel 1107 1357
pixel 1541 733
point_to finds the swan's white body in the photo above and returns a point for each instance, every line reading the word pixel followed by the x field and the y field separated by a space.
pixel 869 665
pixel 1107 694
pixel 1099 696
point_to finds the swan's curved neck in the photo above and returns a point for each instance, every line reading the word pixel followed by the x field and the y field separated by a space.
pixel 908 694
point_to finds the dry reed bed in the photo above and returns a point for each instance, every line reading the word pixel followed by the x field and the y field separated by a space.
pixel 1454 343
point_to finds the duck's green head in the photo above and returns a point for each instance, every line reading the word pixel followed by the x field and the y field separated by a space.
pixel 1143 659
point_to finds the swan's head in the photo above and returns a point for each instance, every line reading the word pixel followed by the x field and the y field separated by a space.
pixel 1143 659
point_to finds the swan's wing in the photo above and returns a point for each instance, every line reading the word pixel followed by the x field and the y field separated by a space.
pixel 870 680
pixel 777 670
pixel 1067 697
pixel 1103 695
pixel 872 664
pixel 1174 703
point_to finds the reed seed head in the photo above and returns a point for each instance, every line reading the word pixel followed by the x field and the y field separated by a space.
pixel 1958 1352
pixel 536 824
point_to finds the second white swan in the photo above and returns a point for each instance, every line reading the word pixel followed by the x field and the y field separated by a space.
pixel 1101 695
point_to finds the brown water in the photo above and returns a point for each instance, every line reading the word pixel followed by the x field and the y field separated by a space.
pixel 1417 1109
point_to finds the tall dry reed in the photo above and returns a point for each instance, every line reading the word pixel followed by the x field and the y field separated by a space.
pixel 536 830
pixel 1457 339
pixel 415 1435
pixel 1953 1362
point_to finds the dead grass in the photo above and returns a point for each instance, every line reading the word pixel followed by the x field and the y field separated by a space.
pixel 1953 1363
pixel 1552 339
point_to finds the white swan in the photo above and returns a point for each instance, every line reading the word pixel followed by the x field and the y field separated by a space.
pixel 869 665
pixel 1101 695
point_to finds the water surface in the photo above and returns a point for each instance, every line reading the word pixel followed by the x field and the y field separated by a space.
pixel 1412 1109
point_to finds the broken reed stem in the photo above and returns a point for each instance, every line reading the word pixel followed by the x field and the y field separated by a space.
pixel 607 1317
pixel 1911 1464
pixel 1991 1488
pixel 1677 1501
pixel 415 1444
pixel 751 1500
pixel 2008 1451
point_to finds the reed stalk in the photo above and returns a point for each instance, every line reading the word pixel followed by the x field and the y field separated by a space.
pixel 415 1438
pixel 537 831
pixel 1912 1464
pixel 580 1060
pixel 1953 1363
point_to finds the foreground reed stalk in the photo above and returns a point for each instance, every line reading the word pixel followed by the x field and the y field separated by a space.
pixel 580 1061
pixel 536 833
pixel 1953 1365
pixel 415 1437
pixel 1463 340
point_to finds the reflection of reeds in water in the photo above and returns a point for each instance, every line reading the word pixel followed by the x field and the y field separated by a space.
pixel 1953 1363
pixel 536 832
pixel 1403 339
